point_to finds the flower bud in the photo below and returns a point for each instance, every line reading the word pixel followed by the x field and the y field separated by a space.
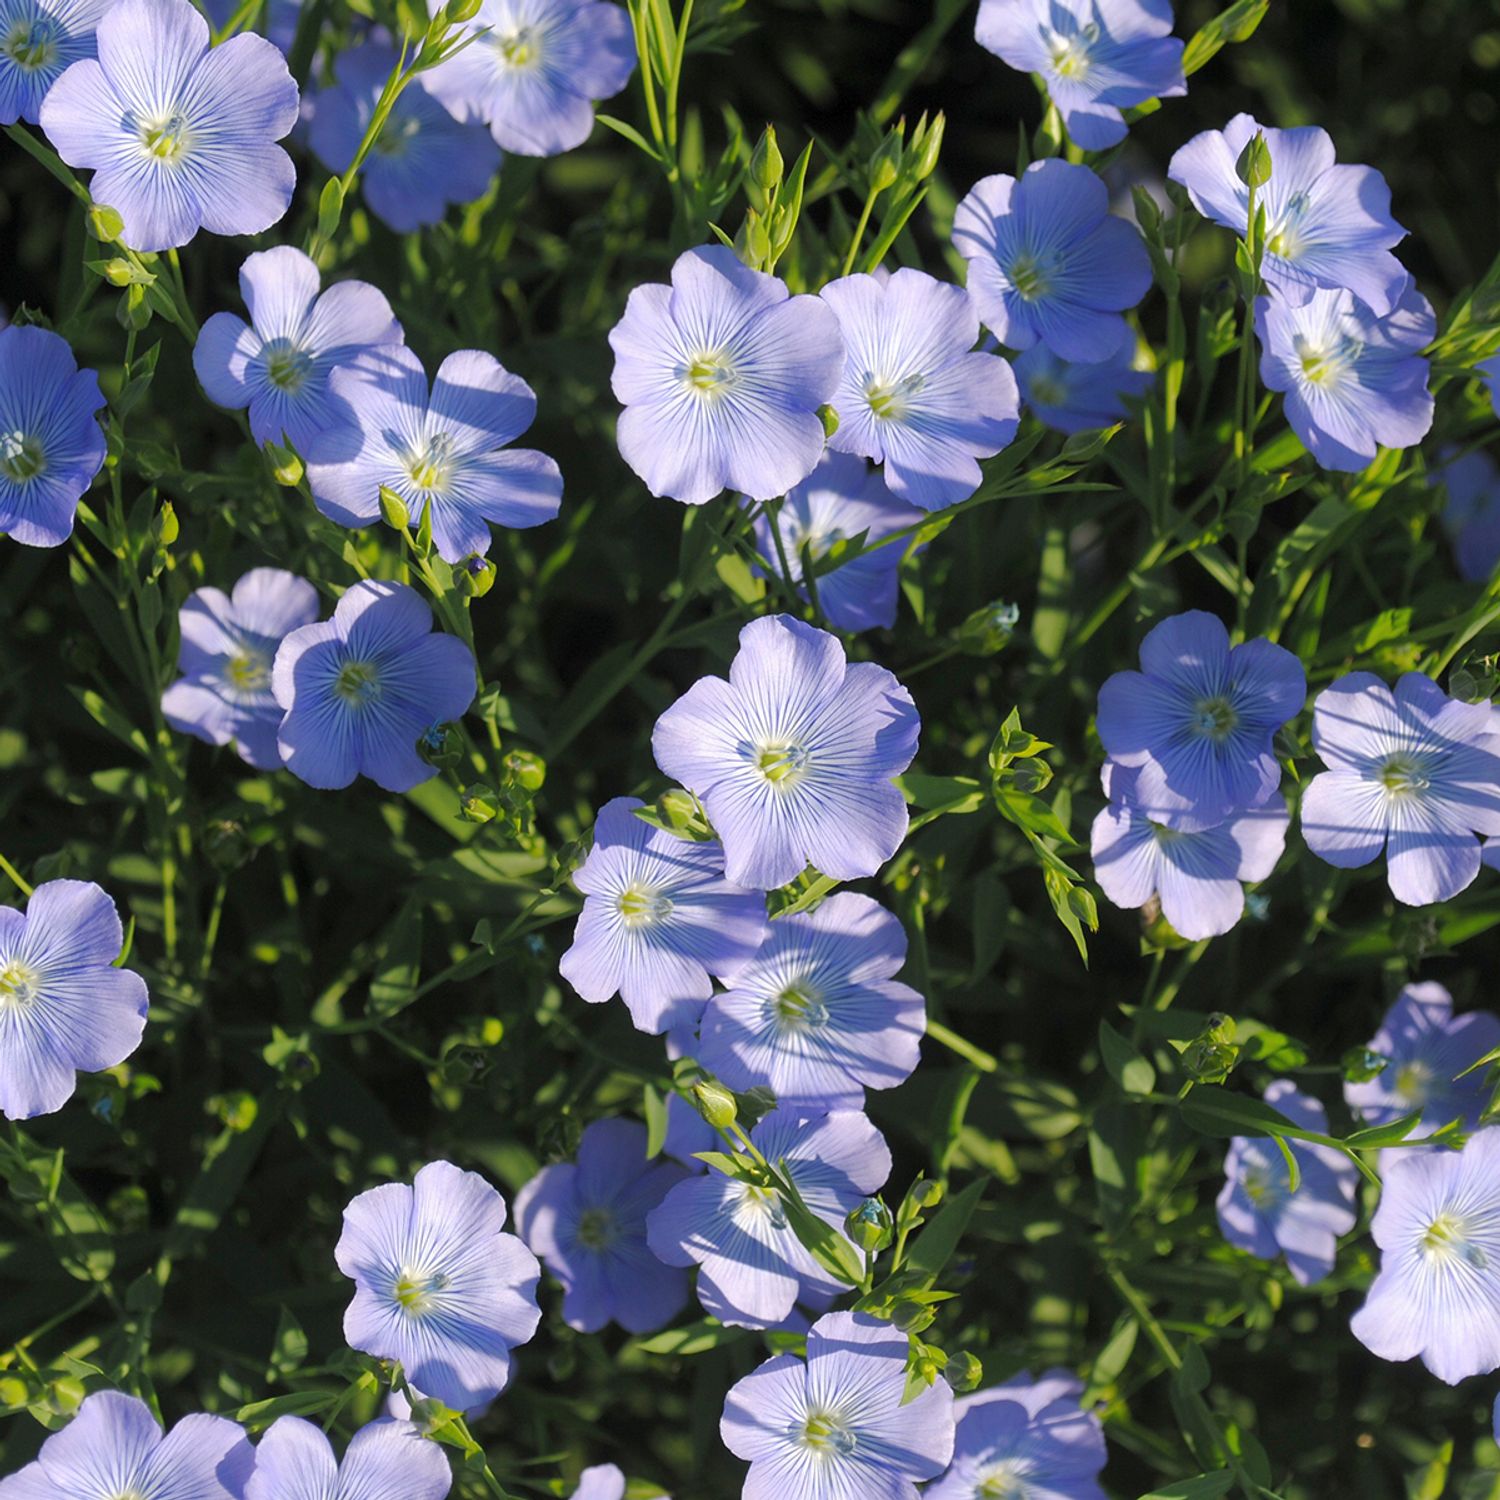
pixel 527 770
pixel 225 846
pixel 166 524
pixel 715 1103
pixel 1361 1064
pixel 869 1225
pixel 1254 165
pixel 913 1317
pixel 393 510
pixel 925 1193
pixel 988 629
pixel 921 157
pixel 286 467
pixel 459 11
pixel 105 223
pixel 478 803
pixel 475 576
pixel 885 165
pixel 830 420
pixel 752 244
pixel 963 1372
pixel 441 746
pixel 766 166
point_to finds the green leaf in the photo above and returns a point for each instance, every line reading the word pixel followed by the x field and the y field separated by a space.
pixel 1215 1111
pixel 1200 1487
pixel 820 1239
pixel 695 1338
pixel 1389 1134
pixel 932 1249
pixel 941 794
pixel 655 1110
pixel 1125 1065
pixel 260 1414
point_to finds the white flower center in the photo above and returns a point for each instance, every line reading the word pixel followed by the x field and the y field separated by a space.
pixel 1264 1187
pixel 20 985
pixel 1403 775
pixel 1449 1239
pixel 166 137
pixel 641 906
pixel 1214 719
pixel 1414 1082
pixel 22 457
pixel 799 1007
pixel 1073 55
pixel 358 683
pixel 891 400
pixel 1003 1481
pixel 708 375
pixel 1284 237
pixel 431 467
pixel 1326 361
pixel 521 48
pixel 826 1434
pixel 764 1204
pixel 248 670
pixel 1032 276
pixel 416 1291
pixel 781 763
pixel 31 43
pixel 287 366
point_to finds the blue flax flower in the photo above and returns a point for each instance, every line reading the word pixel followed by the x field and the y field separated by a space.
pixel 658 920
pixel 721 376
pixel 360 689
pixel 179 137
pixel 1412 772
pixel 1197 876
pixel 278 363
pixel 1428 1052
pixel 837 1424
pixel 1258 1210
pixel 64 1007
pixel 438 1286
pixel 1097 57
pixel 228 646
pixel 51 444
pixel 38 40
pixel 114 1447
pixel 817 1015
pixel 1028 1439
pixel 1079 397
pixel 915 395
pixel 1048 263
pixel 1437 1295
pixel 1471 516
pixel 586 1219
pixel 752 1267
pixel 384 1459
pixel 446 450
pixel 423 159
pixel 1197 721
pixel 602 1482
pixel 1327 225
pixel 536 68
pixel 841 499
pixel 793 756
pixel 1352 382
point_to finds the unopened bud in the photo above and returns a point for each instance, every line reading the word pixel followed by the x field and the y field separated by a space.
pixel 885 165
pixel 527 770
pixel 1361 1064
pixel 441 746
pixel 989 629
pixel 869 1225
pixel 286 467
pixel 766 167
pixel 167 524
pixel 925 1193
pixel 1254 165
pixel 715 1103
pixel 830 420
pixel 921 158
pixel 475 577
pixel 478 803
pixel 963 1372
pixel 105 223
pixel 393 509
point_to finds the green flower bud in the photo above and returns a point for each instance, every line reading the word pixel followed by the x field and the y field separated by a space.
pixel 478 803
pixel 989 629
pixel 393 510
pixel 225 846
pixel 963 1372
pixel 475 577
pixel 441 746
pixel 166 524
pixel 830 420
pixel 753 244
pixel 766 167
pixel 1254 165
pixel 1361 1064
pixel 105 223
pixel 869 1225
pixel 715 1103
pixel 286 467
pixel 921 158
pixel 913 1317
pixel 885 165
pixel 925 1194
pixel 528 770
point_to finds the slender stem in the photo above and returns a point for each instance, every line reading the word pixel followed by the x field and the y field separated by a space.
pixel 14 874
pixel 965 1049
pixel 859 231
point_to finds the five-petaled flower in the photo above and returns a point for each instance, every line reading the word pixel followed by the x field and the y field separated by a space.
pixel 358 690
pixel 1412 772
pixel 179 136
pixel 278 363
pixel 39 39
pixel 753 1268
pixel 1428 1054
pixel 64 1006
pixel 438 1286
pixel 1352 381
pixel 1261 1212
pixel 1197 721
pixel 659 920
pixel 1048 263
pixel 445 451
pixel 1076 397
pixel 586 1219
pixel 793 757
pixel 915 395
pixel 228 645
pixel 721 375
pixel 1097 57
pixel 422 160
pixel 114 1448
pixel 535 68
pixel 1022 1439
pixel 295 1461
pixel 51 444
pixel 838 1423
pixel 1437 1295
pixel 817 1015
pixel 1327 224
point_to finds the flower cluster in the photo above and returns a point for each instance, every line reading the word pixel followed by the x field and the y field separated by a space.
pixel 348 696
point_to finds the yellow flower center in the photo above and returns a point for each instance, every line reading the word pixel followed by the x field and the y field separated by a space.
pixel 20 985
pixel 596 1228
pixel 287 366
pixel 826 1434
pixel 416 1291
pixel 30 44
pixel 781 764
pixel 357 683
pixel 167 137
pixel 640 906
pixel 1030 279
pixel 1402 775
pixel 521 49
pixel 249 671
pixel 799 1007
pixel 1214 719
pixel 1447 1239
pixel 430 467
pixel 709 374
pixel 890 400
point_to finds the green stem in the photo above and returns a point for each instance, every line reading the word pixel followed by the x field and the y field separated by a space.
pixel 965 1049
pixel 15 876
pixel 859 230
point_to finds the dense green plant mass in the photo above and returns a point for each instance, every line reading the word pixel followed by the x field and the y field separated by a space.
pixel 347 985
